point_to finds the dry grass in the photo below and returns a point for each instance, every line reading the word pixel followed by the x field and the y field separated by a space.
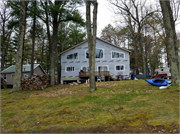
pixel 122 106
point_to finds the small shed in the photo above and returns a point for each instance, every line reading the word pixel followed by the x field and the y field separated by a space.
pixel 9 73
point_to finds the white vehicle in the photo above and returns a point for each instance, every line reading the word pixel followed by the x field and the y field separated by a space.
pixel 162 73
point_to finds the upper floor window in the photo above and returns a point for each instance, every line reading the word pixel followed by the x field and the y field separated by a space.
pixel 117 55
pixel 99 53
pixel 72 56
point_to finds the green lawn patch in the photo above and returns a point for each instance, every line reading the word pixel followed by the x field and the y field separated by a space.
pixel 115 107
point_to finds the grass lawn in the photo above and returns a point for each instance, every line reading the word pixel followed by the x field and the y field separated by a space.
pixel 115 107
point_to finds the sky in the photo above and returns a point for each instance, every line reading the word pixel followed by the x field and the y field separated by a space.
pixel 105 15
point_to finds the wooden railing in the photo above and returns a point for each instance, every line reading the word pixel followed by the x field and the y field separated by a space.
pixel 97 73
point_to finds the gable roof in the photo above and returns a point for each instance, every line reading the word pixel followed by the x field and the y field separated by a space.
pixel 26 68
pixel 96 38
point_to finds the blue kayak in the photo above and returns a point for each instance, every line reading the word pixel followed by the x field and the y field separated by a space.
pixel 158 82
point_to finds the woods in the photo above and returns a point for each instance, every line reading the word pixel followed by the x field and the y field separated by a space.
pixel 37 31
pixel 142 28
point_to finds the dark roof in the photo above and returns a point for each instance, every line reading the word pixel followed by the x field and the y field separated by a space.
pixel 26 68
pixel 96 38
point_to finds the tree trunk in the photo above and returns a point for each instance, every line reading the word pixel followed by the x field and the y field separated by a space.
pixel 136 55
pixel 33 40
pixel 53 48
pixel 42 52
pixel 58 72
pixel 142 53
pixel 146 53
pixel 91 41
pixel 171 39
pixel 93 84
pixel 22 27
pixel 48 32
pixel 3 48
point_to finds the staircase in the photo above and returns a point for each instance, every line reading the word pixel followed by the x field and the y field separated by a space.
pixel 113 77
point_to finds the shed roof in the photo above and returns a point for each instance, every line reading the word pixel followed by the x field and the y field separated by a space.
pixel 26 68
pixel 96 38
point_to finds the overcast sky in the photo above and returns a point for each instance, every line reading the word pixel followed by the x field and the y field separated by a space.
pixel 106 16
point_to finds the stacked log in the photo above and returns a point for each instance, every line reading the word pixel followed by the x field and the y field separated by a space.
pixel 35 82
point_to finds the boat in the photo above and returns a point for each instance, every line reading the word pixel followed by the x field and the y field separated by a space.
pixel 158 82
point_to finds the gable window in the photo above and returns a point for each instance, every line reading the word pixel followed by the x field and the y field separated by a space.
pixel 72 56
pixel 69 69
pixel 99 53
pixel 117 55
pixel 119 68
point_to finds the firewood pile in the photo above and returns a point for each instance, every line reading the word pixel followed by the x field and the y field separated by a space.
pixel 35 82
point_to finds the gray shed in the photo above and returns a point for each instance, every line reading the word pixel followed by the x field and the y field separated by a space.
pixel 9 73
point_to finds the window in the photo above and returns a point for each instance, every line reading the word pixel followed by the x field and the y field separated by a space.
pixel 103 68
pixel 119 67
pixel 117 55
pixel 69 69
pixel 85 69
pixel 99 53
pixel 25 76
pixel 12 75
pixel 4 76
pixel 72 56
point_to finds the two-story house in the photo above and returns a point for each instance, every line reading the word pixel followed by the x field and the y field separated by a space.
pixel 111 60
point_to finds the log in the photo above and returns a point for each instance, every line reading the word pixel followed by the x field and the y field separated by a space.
pixel 35 82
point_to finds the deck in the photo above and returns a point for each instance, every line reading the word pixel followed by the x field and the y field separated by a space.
pixel 97 73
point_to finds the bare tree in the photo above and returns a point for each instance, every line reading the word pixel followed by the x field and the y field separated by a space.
pixel 134 13
pixel 91 40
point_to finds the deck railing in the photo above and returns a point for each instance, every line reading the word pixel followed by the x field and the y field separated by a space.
pixel 97 73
